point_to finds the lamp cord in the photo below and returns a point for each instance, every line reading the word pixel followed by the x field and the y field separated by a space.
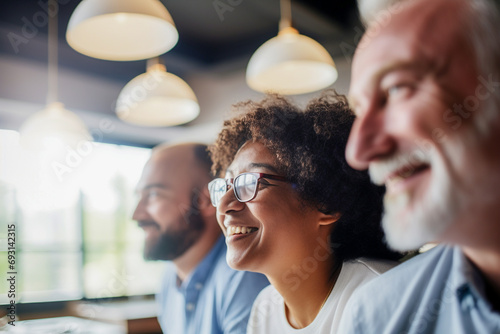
pixel 52 52
pixel 286 14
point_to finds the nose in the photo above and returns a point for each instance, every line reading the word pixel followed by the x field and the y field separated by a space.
pixel 229 203
pixel 369 140
pixel 140 212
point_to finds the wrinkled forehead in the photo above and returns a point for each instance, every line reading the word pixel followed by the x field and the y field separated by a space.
pixel 433 29
pixel 426 33
pixel 424 18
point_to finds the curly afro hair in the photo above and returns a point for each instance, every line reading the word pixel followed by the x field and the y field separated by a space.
pixel 309 147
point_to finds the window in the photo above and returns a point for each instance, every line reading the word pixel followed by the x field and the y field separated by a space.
pixel 74 234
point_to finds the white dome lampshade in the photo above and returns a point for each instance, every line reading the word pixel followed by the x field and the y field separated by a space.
pixel 290 63
pixel 53 128
pixel 157 98
pixel 121 30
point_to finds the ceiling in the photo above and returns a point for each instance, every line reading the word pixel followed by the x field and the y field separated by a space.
pixel 210 41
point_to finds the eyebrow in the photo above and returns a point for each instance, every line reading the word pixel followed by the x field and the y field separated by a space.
pixel 401 66
pixel 155 185
pixel 269 167
pixel 150 186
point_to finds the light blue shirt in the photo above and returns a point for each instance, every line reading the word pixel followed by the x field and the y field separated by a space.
pixel 213 299
pixel 437 292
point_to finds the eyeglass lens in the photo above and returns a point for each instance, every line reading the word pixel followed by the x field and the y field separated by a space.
pixel 217 189
pixel 245 186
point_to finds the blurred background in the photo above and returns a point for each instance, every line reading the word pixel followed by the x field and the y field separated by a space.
pixel 75 241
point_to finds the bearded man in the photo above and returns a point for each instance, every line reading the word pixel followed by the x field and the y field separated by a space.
pixel 200 293
pixel 425 88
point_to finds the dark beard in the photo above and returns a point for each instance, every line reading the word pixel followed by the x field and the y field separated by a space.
pixel 173 244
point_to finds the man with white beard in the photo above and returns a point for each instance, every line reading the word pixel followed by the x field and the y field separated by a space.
pixel 425 88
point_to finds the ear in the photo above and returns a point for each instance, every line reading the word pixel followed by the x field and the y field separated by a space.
pixel 327 219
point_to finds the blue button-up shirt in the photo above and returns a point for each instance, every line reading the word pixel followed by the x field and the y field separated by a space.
pixel 437 292
pixel 213 299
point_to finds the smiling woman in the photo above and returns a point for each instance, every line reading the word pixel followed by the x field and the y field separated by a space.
pixel 292 209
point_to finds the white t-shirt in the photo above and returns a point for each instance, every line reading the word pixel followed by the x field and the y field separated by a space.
pixel 268 311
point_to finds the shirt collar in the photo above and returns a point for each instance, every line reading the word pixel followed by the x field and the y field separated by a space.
pixel 199 275
pixel 466 280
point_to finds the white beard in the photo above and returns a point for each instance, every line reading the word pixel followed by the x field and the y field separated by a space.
pixel 430 216
pixel 450 197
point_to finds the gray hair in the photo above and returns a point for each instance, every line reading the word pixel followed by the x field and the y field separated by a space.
pixel 368 9
pixel 481 27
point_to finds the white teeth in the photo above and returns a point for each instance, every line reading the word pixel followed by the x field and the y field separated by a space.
pixel 393 181
pixel 403 163
pixel 232 230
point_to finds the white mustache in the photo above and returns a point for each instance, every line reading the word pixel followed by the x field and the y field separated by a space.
pixel 404 164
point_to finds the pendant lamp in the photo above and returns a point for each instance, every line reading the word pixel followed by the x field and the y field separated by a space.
pixel 121 30
pixel 54 126
pixel 290 63
pixel 157 98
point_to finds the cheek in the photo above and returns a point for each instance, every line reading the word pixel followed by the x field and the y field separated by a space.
pixel 442 110
pixel 155 209
pixel 283 215
pixel 424 117
pixel 163 212
pixel 220 220
pixel 266 207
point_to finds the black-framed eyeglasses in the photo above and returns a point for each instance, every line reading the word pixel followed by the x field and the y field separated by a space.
pixel 244 186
